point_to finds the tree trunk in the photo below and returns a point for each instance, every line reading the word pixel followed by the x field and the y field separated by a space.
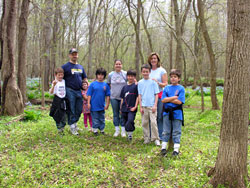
pixel 231 164
pixel 47 36
pixel 55 37
pixel 214 100
pixel 12 101
pixel 22 45
pixel 171 38
pixel 178 53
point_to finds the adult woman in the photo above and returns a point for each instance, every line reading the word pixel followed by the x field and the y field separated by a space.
pixel 117 79
pixel 159 75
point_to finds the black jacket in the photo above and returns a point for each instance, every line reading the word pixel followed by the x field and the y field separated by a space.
pixel 59 108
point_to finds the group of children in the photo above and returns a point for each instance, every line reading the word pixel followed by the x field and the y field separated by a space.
pixel 144 93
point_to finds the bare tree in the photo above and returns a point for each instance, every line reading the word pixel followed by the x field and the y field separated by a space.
pixel 136 24
pixel 206 36
pixel 22 45
pixel 12 101
pixel 93 12
pixel 180 20
pixel 231 164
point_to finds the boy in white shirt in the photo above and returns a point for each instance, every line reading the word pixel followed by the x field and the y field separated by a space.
pixel 59 105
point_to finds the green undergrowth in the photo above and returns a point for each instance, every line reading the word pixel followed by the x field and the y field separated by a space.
pixel 32 154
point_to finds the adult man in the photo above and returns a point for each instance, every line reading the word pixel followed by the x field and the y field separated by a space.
pixel 73 76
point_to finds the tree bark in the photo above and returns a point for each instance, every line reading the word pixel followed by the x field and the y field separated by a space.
pixel 231 164
pixel 47 36
pixel 171 37
pixel 136 25
pixel 12 101
pixel 22 45
pixel 179 28
pixel 206 36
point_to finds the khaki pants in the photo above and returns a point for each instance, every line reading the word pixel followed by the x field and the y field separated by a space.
pixel 146 116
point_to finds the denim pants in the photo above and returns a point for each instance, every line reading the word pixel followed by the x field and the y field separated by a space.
pixel 129 120
pixel 160 118
pixel 173 127
pixel 75 102
pixel 98 120
pixel 117 120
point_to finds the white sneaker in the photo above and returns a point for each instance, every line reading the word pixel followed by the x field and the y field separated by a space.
pixel 74 131
pixel 157 142
pixel 116 133
pixel 123 134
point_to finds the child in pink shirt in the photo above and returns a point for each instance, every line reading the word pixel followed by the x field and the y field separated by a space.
pixel 86 110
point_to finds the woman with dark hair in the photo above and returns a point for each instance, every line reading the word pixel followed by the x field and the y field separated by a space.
pixel 159 75
pixel 117 79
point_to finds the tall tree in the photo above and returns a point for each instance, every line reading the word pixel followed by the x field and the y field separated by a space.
pixel 136 25
pixel 208 41
pixel 22 45
pixel 94 9
pixel 47 37
pixel 180 20
pixel 12 101
pixel 231 164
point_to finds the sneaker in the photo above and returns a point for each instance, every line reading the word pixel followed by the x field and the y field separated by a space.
pixel 96 133
pixel 116 133
pixel 175 153
pixel 123 134
pixel 146 142
pixel 74 131
pixel 130 138
pixel 163 152
pixel 157 142
pixel 61 131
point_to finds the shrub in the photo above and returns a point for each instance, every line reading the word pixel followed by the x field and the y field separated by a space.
pixel 31 115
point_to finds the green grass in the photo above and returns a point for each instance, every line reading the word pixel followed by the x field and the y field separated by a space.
pixel 32 154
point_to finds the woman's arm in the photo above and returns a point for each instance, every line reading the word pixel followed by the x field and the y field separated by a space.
pixel 164 79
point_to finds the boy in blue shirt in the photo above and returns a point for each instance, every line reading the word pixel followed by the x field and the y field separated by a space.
pixel 173 97
pixel 97 92
pixel 148 97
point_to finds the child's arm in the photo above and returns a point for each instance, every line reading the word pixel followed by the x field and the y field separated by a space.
pixel 51 91
pixel 89 98
pixel 136 104
pixel 85 97
pixel 155 105
pixel 169 99
pixel 141 109
pixel 107 102
pixel 121 106
pixel 176 101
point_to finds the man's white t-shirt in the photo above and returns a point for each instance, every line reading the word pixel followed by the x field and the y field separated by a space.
pixel 60 89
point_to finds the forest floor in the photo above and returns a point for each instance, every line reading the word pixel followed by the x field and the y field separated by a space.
pixel 33 154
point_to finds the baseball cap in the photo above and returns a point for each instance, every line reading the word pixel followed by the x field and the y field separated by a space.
pixel 73 50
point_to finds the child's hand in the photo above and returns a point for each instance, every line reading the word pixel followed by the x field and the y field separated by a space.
pixel 89 106
pixel 141 110
pixel 54 82
pixel 154 109
pixel 106 107
pixel 175 97
pixel 133 109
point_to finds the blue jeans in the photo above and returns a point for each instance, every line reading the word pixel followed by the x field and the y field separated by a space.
pixel 160 118
pixel 75 102
pixel 171 127
pixel 98 120
pixel 117 120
